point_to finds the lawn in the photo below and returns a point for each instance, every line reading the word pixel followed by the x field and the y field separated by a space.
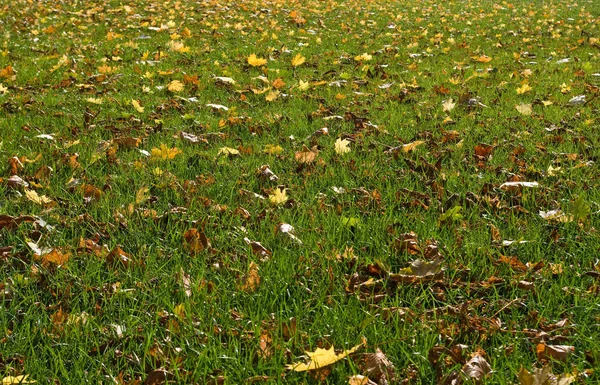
pixel 300 192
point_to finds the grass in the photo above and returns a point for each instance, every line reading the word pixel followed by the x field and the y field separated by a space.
pixel 125 293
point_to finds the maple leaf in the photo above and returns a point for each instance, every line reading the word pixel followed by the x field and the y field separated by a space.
pixel 164 152
pixel 228 151
pixel 306 155
pixel 33 196
pixel 272 95
pixel 256 61
pixel 525 109
pixel 557 352
pixel 273 149
pixel 298 60
pixel 342 146
pixel 303 86
pixel 177 46
pixel 94 100
pixel 3 89
pixel 543 376
pixel 138 107
pixel 250 282
pixel 448 105
pixel 321 358
pixel 411 146
pixel 23 379
pixel 482 59
pixel 175 86
pixel 524 89
pixel 279 196
pixel 364 57
pixel 477 368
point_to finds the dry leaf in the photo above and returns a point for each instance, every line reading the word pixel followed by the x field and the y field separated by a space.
pixel 33 196
pixel 158 377
pixel 23 379
pixel 477 368
pixel 175 86
pixel 411 146
pixel 379 367
pixel 138 107
pixel 164 153
pixel 557 352
pixel 255 61
pixel 525 109
pixel 543 376
pixel 272 95
pixel 306 155
pixel 279 196
pixel 258 248
pixel 196 240
pixel 298 60
pixel 342 146
pixel 273 149
pixel 228 151
pixel 448 105
pixel 510 185
pixel 524 89
pixel 357 379
pixel 321 358
pixel 287 229
pixel 249 283
pixel 482 59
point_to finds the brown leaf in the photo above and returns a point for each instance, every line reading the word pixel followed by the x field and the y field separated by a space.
pixel 477 368
pixel 15 165
pixel 117 255
pixel 484 150
pixel 307 155
pixel 249 283
pixel 514 263
pixel 258 248
pixel 556 352
pixel 379 367
pixel 196 240
pixel 10 222
pixel 357 379
pixel 158 377
pixel 543 376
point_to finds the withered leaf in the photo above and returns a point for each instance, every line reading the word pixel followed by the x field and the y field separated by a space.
pixel 306 155
pixel 556 352
pixel 379 367
pixel 196 240
pixel 477 368
pixel 249 283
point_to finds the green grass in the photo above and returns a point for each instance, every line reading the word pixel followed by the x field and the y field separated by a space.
pixel 97 318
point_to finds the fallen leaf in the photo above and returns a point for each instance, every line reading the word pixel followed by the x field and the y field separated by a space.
pixel 379 367
pixel 196 240
pixel 175 86
pixel 33 196
pixel 279 196
pixel 525 109
pixel 509 185
pixel 164 153
pixel 448 105
pixel 321 358
pixel 258 248
pixel 524 89
pixel 136 104
pixel 306 155
pixel 556 352
pixel 273 149
pixel 288 230
pixel 23 379
pixel 477 368
pixel 158 377
pixel 482 59
pixel 298 60
pixel 543 376
pixel 342 146
pixel 411 146
pixel 249 283
pixel 357 379
pixel 256 61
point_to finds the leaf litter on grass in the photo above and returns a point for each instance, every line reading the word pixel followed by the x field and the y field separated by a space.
pixel 158 167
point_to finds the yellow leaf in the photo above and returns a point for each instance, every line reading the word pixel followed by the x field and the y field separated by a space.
pixel 138 107
pixel 524 89
pixel 177 46
pixel 24 379
pixel 141 195
pixel 278 197
pixel 547 103
pixel 256 61
pixel 94 100
pixel 4 89
pixel 298 60
pixel 272 95
pixel 175 86
pixel 525 109
pixel 321 358
pixel 228 151
pixel 273 149
pixel 33 196
pixel 364 57
pixel 164 152
pixel 482 59
pixel 341 146
pixel 303 86
pixel 411 146
pixel 448 105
